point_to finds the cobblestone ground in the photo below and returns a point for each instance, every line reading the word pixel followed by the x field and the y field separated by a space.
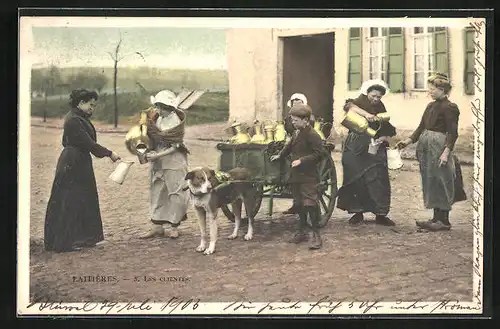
pixel 367 262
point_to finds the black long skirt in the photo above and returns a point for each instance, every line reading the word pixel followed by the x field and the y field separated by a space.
pixel 366 184
pixel 73 215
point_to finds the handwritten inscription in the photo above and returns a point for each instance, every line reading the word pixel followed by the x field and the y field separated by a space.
pixel 324 305
pixel 416 305
pixel 453 306
pixel 478 196
pixel 478 54
pixel 179 303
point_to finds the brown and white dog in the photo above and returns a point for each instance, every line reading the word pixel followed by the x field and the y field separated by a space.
pixel 207 197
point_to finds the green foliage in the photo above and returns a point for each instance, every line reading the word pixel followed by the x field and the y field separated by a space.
pixel 89 80
pixel 129 78
pixel 211 107
pixel 135 85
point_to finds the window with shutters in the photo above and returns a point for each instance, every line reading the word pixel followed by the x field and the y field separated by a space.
pixel 395 59
pixel 469 61
pixel 387 56
pixel 378 60
pixel 354 77
pixel 430 54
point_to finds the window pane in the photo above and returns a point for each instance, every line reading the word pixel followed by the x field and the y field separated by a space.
pixel 382 47
pixel 419 46
pixel 355 81
pixel 374 32
pixel 355 62
pixel 430 49
pixel 355 47
pixel 439 29
pixel 395 30
pixel 419 63
pixel 419 81
pixel 430 29
pixel 469 62
pixel 384 31
pixel 374 64
pixel 383 63
pixel 373 50
pixel 354 32
pixel 469 39
pixel 418 30
pixel 469 84
pixel 376 48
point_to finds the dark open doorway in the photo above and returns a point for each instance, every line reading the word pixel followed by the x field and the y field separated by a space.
pixel 308 68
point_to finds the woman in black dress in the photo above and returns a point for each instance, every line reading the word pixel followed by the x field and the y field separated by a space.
pixel 442 183
pixel 73 218
pixel 366 185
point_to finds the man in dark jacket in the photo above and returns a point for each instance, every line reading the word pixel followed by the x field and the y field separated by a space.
pixel 306 150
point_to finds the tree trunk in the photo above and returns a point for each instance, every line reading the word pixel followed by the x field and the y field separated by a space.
pixel 116 96
pixel 45 108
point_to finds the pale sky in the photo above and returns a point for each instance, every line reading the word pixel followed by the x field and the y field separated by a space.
pixel 166 47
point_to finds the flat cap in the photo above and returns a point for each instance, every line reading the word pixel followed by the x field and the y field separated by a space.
pixel 301 110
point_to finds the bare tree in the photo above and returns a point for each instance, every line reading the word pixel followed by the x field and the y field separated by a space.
pixel 116 58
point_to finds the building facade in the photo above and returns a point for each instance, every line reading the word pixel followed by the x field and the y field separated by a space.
pixel 266 66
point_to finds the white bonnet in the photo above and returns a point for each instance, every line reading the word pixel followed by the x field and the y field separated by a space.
pixel 302 97
pixel 165 97
pixel 368 83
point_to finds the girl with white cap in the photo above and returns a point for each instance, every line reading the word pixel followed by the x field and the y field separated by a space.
pixel 169 165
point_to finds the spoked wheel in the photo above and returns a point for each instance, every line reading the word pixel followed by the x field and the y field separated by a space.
pixel 228 211
pixel 327 190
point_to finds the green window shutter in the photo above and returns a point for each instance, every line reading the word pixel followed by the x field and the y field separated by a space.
pixel 469 61
pixel 395 60
pixel 440 47
pixel 354 70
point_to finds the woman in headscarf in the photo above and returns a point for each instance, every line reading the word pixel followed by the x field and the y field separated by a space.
pixel 366 186
pixel 169 165
pixel 440 170
pixel 73 218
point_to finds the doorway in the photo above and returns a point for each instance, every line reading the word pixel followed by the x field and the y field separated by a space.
pixel 308 68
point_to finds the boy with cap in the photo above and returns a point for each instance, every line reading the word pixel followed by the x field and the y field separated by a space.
pixel 306 150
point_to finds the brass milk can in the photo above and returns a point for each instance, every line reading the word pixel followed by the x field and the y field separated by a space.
pixel 258 137
pixel 317 128
pixel 269 130
pixel 137 140
pixel 239 136
pixel 355 122
pixel 280 133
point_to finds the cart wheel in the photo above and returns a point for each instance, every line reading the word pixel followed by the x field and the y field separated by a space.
pixel 227 209
pixel 327 190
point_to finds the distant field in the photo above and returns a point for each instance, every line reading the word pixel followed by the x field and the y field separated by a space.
pixel 211 107
pixel 136 85
pixel 154 78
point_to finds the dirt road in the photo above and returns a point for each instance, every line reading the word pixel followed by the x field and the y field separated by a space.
pixel 367 262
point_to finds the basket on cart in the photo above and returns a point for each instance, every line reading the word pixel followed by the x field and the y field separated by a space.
pixel 271 177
